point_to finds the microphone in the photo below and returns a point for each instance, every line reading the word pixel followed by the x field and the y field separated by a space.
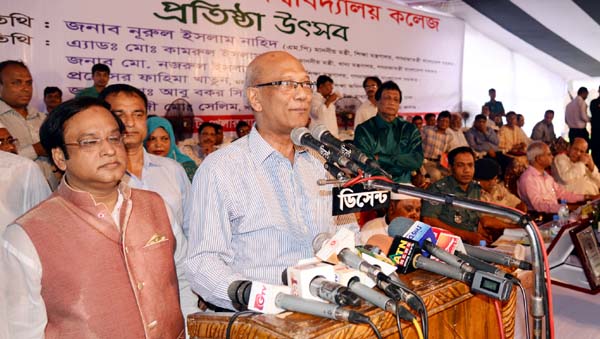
pixel 484 266
pixel 323 243
pixel 414 230
pixel 348 150
pixel 241 292
pixel 301 137
pixel 380 300
pixel 319 285
pixel 497 258
pixel 423 234
pixel 406 253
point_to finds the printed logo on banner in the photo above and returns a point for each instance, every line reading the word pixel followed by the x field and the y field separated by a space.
pixel 356 199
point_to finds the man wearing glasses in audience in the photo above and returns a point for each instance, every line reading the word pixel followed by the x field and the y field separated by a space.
pixel 95 260
pixel 255 205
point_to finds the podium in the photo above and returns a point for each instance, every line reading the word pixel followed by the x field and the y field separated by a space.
pixel 453 313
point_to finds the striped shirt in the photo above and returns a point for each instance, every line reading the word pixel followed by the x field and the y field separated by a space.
pixel 252 214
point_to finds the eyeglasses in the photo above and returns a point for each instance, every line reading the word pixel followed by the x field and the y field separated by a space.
pixel 9 141
pixel 92 144
pixel 370 86
pixel 289 85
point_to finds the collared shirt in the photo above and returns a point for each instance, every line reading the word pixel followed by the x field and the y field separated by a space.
pixel 166 177
pixel 20 261
pixel 454 216
pixel 373 227
pixel 22 186
pixel 364 112
pixel 395 145
pixel 88 92
pixel 482 142
pixel 495 107
pixel 575 175
pixel 543 131
pixel 541 193
pixel 576 113
pixel 434 142
pixel 457 139
pixel 500 195
pixel 25 129
pixel 508 137
pixel 320 114
pixel 252 213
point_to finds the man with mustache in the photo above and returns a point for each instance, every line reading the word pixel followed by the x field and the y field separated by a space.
pixel 95 260
pixel 20 119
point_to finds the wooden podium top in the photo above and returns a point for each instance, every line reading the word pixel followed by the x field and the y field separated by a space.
pixel 453 313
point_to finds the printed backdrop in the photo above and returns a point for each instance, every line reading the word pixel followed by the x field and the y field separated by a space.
pixel 197 51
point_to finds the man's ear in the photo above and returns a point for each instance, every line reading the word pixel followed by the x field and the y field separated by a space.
pixel 58 156
pixel 253 100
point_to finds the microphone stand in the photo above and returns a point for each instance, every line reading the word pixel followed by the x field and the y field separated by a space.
pixel 540 297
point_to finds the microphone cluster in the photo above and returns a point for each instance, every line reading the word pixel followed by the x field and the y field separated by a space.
pixel 338 155
pixel 341 277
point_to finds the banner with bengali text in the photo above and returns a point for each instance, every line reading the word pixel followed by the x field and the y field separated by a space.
pixel 190 57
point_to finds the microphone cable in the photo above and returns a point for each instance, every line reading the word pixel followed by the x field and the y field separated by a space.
pixel 526 307
pixel 233 318
pixel 499 318
pixel 422 310
pixel 374 328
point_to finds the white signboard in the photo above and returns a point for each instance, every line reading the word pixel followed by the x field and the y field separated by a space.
pixel 198 50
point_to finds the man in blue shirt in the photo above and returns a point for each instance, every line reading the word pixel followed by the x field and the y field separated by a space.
pixel 162 175
pixel 255 206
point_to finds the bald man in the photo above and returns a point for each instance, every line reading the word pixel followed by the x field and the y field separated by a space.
pixel 576 169
pixel 255 205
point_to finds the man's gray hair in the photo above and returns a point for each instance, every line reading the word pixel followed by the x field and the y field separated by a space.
pixel 534 150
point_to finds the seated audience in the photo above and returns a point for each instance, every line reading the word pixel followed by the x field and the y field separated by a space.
pixel 367 109
pixel 460 221
pixel 247 221
pixel 161 141
pixel 389 139
pixel 430 119
pixel 487 171
pixel 458 138
pixel 242 128
pixel 520 120
pixel 219 136
pixel 417 120
pixel 512 139
pixel 436 143
pixel 544 130
pixel 52 98
pixel 482 138
pixel 491 122
pixel 401 205
pixel 576 170
pixel 95 260
pixel 537 188
pixel 22 184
